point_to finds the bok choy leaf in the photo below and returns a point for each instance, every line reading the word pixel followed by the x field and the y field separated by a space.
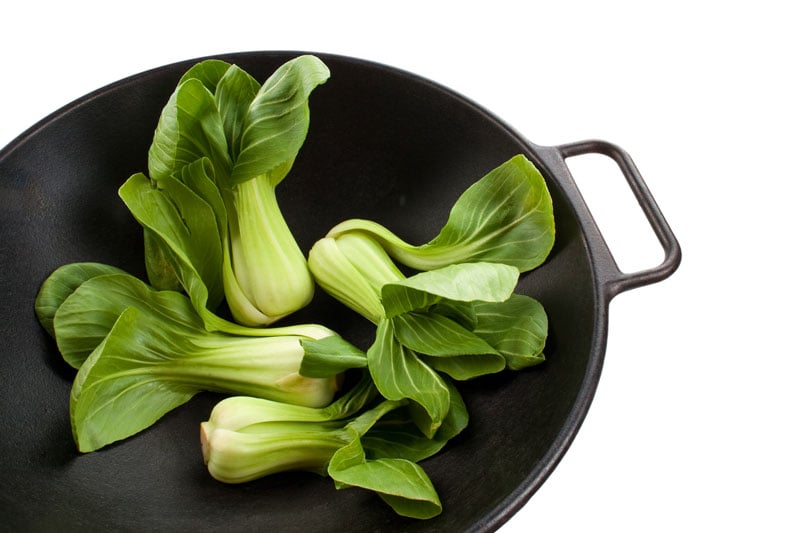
pixel 61 284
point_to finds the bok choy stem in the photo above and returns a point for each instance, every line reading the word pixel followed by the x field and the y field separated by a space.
pixel 267 263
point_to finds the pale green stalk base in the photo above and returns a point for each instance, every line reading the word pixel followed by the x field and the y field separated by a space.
pixel 266 276
pixel 352 268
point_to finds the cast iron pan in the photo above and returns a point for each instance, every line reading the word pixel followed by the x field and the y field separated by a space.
pixel 383 144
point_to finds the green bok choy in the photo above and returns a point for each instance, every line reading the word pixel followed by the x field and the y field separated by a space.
pixel 460 318
pixel 211 219
pixel 141 353
pixel 360 440
pixel 214 234
pixel 505 217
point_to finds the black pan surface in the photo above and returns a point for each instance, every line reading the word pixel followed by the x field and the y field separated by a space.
pixel 383 144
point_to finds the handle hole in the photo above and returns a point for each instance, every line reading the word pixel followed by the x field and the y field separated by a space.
pixel 616 212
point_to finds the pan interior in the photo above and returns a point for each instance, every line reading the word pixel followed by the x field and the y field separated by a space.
pixel 383 145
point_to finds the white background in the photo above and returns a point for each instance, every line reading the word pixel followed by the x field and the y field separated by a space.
pixel 695 423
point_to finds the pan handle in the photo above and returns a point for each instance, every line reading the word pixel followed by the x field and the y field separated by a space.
pixel 622 281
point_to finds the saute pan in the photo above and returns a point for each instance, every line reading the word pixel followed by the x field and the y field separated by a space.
pixel 384 144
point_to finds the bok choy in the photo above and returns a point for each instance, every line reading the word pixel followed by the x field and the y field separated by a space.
pixel 462 320
pixel 360 440
pixel 211 219
pixel 214 237
pixel 461 317
pixel 505 217
pixel 141 353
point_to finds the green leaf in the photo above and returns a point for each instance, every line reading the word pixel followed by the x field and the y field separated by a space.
pixel 195 233
pixel 330 356
pixel 358 397
pixel 190 127
pixel 199 177
pixel 493 282
pixel 277 120
pixel 399 374
pixel 186 227
pixel 456 351
pixel 164 263
pixel 396 435
pixel 464 367
pixel 235 93
pixel 87 315
pixel 208 71
pixel 517 328
pixel 160 263
pixel 433 334
pixel 402 484
pixel 505 217
pixel 60 284
pixel 106 410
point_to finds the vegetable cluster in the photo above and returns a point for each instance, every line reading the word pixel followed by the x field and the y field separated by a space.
pixel 223 267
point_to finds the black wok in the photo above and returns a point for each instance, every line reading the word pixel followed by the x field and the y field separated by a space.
pixel 383 144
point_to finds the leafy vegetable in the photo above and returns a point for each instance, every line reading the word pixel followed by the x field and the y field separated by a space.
pixel 142 352
pixel 209 209
pixel 359 440
pixel 60 284
pixel 214 234
pixel 505 217
pixel 82 323
pixel 460 320
pixel 459 316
